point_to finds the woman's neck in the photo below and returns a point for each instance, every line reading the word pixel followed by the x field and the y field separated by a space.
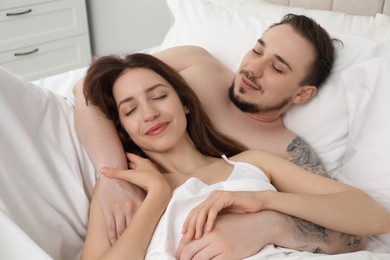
pixel 184 159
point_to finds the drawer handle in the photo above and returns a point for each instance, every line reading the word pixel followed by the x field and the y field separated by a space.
pixel 20 13
pixel 26 53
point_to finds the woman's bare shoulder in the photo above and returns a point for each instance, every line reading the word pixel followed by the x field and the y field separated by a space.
pixel 253 156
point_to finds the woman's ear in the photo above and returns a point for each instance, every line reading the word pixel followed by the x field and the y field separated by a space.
pixel 186 110
pixel 304 94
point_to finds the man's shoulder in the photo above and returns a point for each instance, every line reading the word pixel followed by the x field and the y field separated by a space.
pixel 191 53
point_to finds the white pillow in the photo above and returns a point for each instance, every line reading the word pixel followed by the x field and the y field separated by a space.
pixel 323 121
pixel 62 84
pixel 372 27
pixel 366 164
pixel 229 34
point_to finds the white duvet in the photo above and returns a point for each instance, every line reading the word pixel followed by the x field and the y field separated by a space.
pixel 46 179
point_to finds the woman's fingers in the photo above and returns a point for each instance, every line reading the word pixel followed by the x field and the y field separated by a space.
pixel 202 218
pixel 133 157
pixel 139 163
pixel 115 173
pixel 139 178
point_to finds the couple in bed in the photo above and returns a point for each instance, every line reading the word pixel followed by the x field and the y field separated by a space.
pixel 159 117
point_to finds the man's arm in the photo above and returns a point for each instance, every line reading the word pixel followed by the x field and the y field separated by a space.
pixel 118 199
pixel 237 236
pixel 268 227
pixel 303 155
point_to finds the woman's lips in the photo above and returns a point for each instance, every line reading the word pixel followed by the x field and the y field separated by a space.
pixel 157 129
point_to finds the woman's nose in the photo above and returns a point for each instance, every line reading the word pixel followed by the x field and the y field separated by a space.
pixel 150 113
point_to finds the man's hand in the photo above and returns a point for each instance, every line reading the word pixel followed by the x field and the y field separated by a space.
pixel 234 236
pixel 118 200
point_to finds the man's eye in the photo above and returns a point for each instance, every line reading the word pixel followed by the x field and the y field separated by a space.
pixel 256 51
pixel 277 70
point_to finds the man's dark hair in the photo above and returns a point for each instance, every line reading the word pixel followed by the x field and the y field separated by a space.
pixel 322 42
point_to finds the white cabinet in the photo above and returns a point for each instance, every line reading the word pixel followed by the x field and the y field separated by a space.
pixel 122 26
pixel 39 38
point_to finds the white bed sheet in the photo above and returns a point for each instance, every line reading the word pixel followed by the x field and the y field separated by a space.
pixel 46 179
pixel 44 204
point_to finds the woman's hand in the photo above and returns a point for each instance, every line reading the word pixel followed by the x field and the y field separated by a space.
pixel 142 173
pixel 141 164
pixel 202 218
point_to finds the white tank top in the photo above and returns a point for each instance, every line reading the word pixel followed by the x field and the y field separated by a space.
pixel 166 238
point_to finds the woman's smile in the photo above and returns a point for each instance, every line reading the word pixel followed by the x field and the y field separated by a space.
pixel 157 129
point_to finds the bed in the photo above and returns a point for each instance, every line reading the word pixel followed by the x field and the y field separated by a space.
pixel 46 178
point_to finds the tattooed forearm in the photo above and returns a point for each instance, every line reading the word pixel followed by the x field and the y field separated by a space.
pixel 318 239
pixel 303 155
pixel 312 237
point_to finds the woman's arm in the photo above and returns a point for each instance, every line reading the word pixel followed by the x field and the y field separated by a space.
pixel 134 241
pixel 302 194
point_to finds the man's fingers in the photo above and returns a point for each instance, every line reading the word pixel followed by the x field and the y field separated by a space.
pixel 111 229
pixel 189 249
pixel 183 242
pixel 120 223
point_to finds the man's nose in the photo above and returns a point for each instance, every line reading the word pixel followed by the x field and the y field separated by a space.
pixel 257 67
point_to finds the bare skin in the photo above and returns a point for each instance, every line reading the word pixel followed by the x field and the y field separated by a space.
pixel 211 81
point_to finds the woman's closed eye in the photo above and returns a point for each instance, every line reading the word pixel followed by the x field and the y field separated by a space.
pixel 158 97
pixel 130 111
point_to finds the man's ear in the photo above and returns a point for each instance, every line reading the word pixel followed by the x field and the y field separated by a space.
pixel 304 94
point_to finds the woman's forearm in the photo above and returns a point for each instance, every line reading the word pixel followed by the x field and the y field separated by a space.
pixel 350 211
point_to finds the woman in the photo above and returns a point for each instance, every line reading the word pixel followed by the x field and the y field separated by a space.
pixel 159 117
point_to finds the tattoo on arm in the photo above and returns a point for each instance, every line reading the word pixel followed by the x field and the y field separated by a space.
pixel 304 156
pixel 313 236
pixel 317 239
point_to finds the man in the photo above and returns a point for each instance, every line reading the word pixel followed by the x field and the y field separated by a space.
pixel 285 67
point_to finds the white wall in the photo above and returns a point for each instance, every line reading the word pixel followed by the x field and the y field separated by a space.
pixel 118 26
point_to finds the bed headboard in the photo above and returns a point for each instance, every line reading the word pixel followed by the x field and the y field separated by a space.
pixel 353 7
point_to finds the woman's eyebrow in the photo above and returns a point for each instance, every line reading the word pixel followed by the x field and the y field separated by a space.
pixel 149 89
pixel 153 87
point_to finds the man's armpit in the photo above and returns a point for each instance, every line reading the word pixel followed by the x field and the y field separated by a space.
pixel 304 156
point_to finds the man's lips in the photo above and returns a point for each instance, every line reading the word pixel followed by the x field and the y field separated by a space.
pixel 157 129
pixel 248 84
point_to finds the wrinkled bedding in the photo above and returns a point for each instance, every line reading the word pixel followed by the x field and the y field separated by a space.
pixel 46 178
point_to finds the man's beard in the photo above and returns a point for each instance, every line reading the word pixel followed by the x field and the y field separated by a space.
pixel 253 107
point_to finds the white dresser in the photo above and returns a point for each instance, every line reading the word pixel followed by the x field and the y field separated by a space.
pixel 39 38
